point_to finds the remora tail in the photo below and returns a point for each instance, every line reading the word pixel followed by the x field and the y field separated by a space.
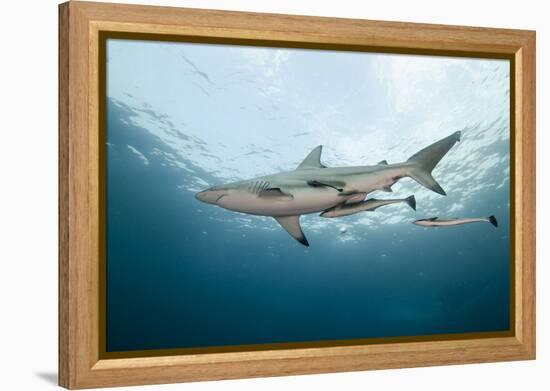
pixel 313 187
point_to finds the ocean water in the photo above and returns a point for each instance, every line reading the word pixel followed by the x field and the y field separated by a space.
pixel 182 117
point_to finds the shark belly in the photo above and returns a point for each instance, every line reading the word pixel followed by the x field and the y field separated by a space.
pixel 304 201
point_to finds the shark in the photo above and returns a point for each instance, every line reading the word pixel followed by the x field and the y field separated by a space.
pixel 313 187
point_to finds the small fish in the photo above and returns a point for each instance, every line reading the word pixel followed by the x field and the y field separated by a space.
pixel 436 222
pixel 365 206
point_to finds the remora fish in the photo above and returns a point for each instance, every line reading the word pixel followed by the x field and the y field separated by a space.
pixel 365 206
pixel 313 187
pixel 436 222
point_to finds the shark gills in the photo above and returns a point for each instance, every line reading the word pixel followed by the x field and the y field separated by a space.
pixel 365 206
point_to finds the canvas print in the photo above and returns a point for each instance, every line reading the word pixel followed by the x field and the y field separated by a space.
pixel 264 196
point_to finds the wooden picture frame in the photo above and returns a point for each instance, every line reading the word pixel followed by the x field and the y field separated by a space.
pixel 81 24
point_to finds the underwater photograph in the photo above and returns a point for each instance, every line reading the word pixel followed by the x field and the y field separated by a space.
pixel 264 195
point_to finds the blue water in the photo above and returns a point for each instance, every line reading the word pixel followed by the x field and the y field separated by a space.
pixel 181 273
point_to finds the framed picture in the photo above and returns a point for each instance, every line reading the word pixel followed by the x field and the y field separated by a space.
pixel 247 195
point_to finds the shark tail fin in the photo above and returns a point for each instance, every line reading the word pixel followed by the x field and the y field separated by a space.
pixel 493 220
pixel 411 201
pixel 424 162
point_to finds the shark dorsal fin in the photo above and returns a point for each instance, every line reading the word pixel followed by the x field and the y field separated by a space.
pixel 292 225
pixel 432 219
pixel 383 162
pixel 313 160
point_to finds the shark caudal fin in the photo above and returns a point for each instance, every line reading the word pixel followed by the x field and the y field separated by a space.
pixel 425 161
pixel 493 220
pixel 411 201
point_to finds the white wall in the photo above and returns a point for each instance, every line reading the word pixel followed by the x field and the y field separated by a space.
pixel 28 195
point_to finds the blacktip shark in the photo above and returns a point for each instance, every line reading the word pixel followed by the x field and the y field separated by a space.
pixel 365 206
pixel 313 187
pixel 437 222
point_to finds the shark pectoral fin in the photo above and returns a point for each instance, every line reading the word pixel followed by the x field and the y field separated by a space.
pixel 292 225
pixel 313 160
pixel 275 193
pixel 355 198
pixel 387 189
pixel 347 193
pixel 336 185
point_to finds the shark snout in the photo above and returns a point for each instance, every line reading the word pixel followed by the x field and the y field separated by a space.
pixel 210 196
